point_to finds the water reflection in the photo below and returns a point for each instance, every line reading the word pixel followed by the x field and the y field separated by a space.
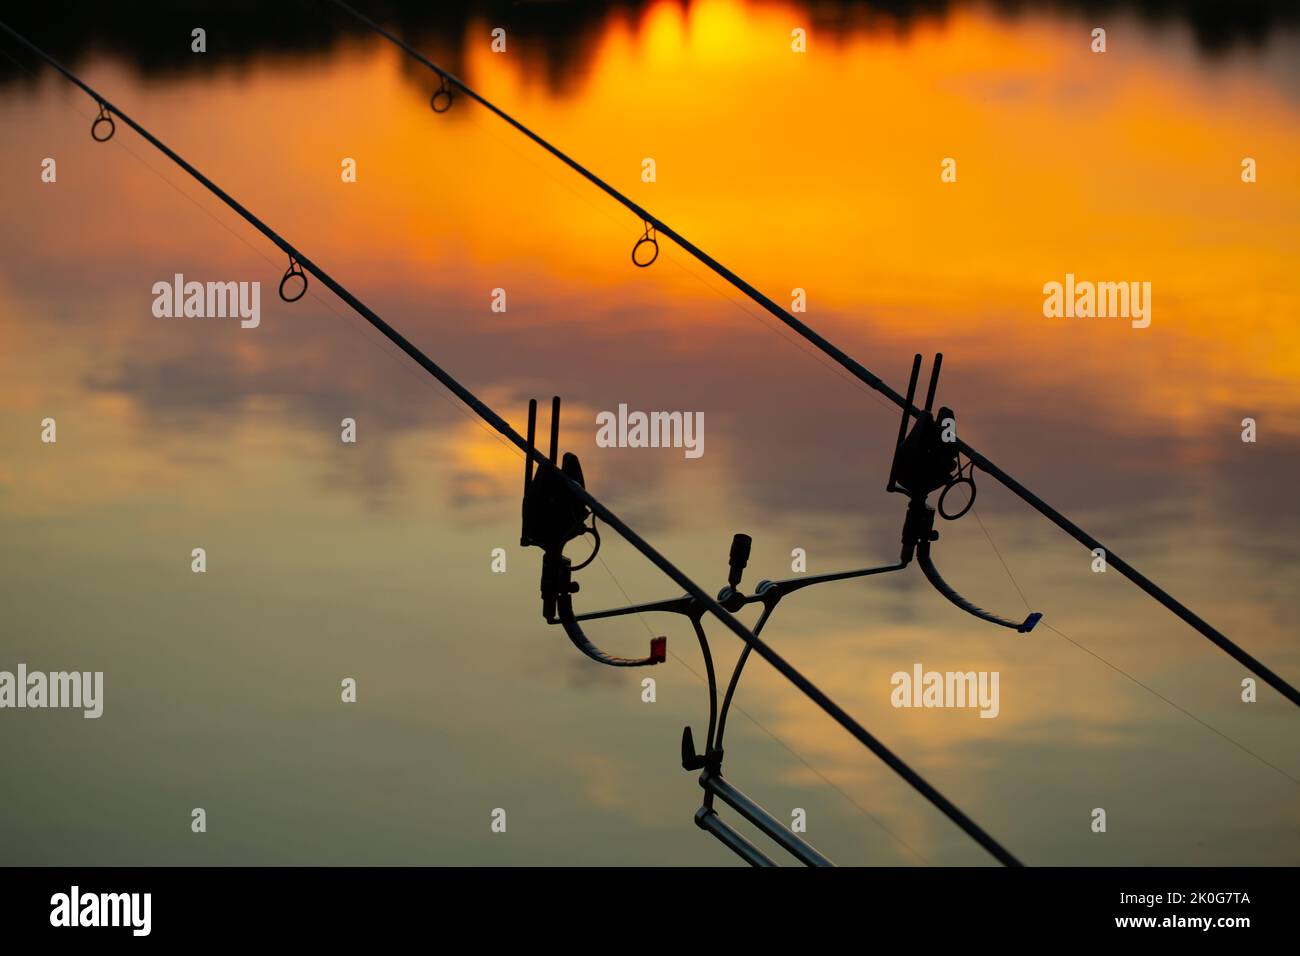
pixel 372 560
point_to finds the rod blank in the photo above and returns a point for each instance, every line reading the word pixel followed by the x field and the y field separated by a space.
pixel 856 368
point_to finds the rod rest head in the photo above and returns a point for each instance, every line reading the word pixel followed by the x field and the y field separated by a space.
pixel 926 462
pixel 552 514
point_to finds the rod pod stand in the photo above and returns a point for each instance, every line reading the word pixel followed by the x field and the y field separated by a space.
pixel 710 762
pixel 923 463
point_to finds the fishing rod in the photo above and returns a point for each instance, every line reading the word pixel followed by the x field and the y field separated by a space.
pixel 654 227
pixel 559 482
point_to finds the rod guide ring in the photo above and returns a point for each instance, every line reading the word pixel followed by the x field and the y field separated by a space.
pixel 294 270
pixel 103 117
pixel 442 97
pixel 650 239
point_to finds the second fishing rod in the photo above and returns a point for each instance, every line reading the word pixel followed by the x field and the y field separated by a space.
pixel 654 227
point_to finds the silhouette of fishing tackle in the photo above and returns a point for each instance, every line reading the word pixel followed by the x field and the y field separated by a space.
pixel 556 496
pixel 552 517
pixel 925 460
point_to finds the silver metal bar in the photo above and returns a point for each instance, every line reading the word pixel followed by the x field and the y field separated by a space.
pixel 707 820
pixel 751 811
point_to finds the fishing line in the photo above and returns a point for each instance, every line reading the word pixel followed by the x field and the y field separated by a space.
pixel 1119 670
pixel 1005 567
pixel 656 227
pixel 792 674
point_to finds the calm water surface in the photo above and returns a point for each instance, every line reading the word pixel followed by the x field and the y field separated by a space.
pixel 373 561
